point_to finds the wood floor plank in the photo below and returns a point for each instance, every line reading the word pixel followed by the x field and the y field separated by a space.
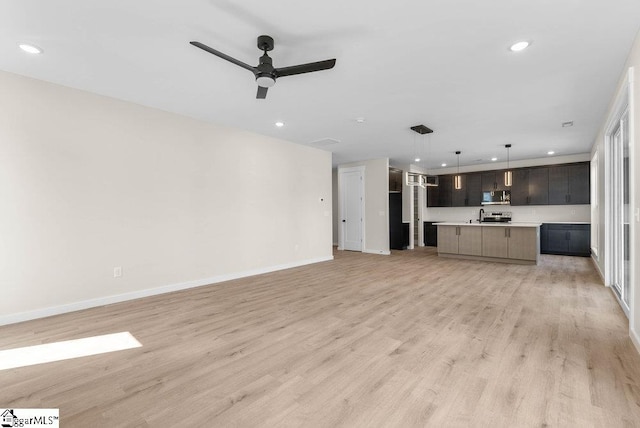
pixel 365 340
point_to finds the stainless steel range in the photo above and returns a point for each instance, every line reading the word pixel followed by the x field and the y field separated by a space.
pixel 497 217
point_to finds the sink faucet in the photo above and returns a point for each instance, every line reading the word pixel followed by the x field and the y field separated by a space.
pixel 480 215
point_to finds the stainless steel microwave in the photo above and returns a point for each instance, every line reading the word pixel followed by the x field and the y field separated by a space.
pixel 496 197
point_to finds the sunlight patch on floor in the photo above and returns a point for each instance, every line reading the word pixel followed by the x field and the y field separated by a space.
pixel 57 351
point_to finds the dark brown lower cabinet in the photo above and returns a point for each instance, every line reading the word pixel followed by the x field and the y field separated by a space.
pixel 430 234
pixel 565 239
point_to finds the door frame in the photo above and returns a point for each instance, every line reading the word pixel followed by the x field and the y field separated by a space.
pixel 341 191
pixel 622 106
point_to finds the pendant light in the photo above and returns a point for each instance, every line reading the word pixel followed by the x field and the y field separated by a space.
pixel 457 179
pixel 508 176
pixel 421 179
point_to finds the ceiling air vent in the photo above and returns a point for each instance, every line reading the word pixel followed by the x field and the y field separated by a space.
pixel 323 142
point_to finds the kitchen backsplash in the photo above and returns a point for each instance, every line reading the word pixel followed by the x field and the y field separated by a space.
pixel 537 213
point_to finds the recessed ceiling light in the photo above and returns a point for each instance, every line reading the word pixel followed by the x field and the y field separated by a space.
pixel 32 49
pixel 494 159
pixel 517 47
pixel 551 152
pixel 567 124
pixel 279 124
pixel 416 160
pixel 360 119
pixel 444 164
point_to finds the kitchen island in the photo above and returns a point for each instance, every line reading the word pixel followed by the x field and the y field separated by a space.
pixel 497 242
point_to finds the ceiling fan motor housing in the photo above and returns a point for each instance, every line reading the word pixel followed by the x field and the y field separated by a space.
pixel 265 43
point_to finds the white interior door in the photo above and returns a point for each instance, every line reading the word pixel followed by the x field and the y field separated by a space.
pixel 352 209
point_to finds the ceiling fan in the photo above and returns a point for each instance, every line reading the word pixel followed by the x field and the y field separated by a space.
pixel 265 73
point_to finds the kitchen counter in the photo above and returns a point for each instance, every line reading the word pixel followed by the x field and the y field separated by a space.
pixel 510 224
pixel 497 242
pixel 567 222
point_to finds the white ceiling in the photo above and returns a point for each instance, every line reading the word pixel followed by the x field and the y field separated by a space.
pixel 443 63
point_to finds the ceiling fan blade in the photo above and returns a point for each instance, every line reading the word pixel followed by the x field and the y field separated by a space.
pixel 223 56
pixel 305 68
pixel 262 92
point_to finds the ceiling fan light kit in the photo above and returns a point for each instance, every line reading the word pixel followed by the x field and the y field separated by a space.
pixel 265 81
pixel 265 73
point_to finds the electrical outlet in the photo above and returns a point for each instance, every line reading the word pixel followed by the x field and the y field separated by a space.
pixel 117 272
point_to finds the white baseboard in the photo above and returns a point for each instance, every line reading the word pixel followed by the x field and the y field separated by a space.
pixel 383 252
pixel 101 301
pixel 595 263
pixel 635 338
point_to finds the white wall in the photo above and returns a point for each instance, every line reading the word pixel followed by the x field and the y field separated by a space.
pixel 376 209
pixel 537 213
pixel 633 60
pixel 89 183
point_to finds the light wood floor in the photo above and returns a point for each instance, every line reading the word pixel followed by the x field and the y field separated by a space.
pixel 365 340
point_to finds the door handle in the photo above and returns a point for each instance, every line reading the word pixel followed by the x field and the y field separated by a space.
pixel 505 232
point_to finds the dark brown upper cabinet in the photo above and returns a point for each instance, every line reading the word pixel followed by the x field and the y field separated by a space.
pixel 470 193
pixel 493 180
pixel 530 186
pixel 569 184
pixel 395 180
pixel 542 185
pixel 441 195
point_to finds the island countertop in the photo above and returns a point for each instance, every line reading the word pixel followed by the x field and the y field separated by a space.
pixel 517 242
pixel 510 224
